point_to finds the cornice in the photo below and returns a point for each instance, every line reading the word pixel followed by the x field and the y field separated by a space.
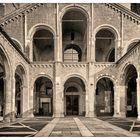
pixel 124 11
pixel 18 13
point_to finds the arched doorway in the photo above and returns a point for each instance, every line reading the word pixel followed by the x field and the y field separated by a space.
pixel 74 96
pixel 4 73
pixel 131 92
pixel 43 97
pixel 19 85
pixel 74 32
pixel 104 97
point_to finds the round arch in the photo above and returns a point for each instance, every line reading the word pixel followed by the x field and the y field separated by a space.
pixel 104 97
pixel 110 28
pixel 38 27
pixel 129 78
pixel 5 81
pixel 74 85
pixel 74 75
pixel 8 63
pixel 43 96
pixel 111 77
pixel 74 6
pixel 18 44
pixel 41 75
pixel 131 42
pixel 74 100
pixel 124 69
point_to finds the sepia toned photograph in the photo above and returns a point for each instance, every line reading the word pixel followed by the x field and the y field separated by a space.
pixel 69 69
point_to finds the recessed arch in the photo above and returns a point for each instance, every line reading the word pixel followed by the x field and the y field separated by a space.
pixel 41 43
pixel 105 42
pixel 73 6
pixel 5 73
pixel 20 84
pixel 43 97
pixel 74 98
pixel 111 77
pixel 75 29
pixel 74 75
pixel 36 27
pixel 18 44
pixel 131 44
pixel 130 76
pixel 104 97
pixel 72 53
pixel 108 27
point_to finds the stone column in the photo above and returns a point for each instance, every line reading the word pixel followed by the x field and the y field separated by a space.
pixel 13 100
pixel 90 93
pixel 138 97
pixel 58 95
pixel 24 102
pixel 120 101
pixel 8 99
pixel 108 101
pixel 31 102
pixel 90 101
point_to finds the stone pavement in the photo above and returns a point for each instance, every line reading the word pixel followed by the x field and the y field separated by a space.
pixel 24 127
pixel 82 126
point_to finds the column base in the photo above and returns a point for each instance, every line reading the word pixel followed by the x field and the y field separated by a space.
pixel 90 114
pixel 120 115
pixel 58 115
pixel 7 119
pixel 138 118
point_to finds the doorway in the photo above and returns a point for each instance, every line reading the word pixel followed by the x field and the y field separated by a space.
pixel 72 105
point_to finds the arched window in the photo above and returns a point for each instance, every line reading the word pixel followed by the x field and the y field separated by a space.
pixel 74 31
pixel 43 45
pixel 72 53
pixel 105 42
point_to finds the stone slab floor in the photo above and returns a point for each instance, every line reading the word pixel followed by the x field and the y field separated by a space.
pixel 68 127
pixel 82 127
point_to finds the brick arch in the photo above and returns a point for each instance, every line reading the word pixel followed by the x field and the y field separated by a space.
pixel 110 28
pixel 8 67
pixel 41 75
pixel 39 26
pixel 73 6
pixel 24 72
pixel 129 43
pixel 111 77
pixel 19 44
pixel 124 69
pixel 77 76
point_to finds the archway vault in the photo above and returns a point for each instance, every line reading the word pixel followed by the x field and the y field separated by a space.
pixel 74 96
pixel 43 97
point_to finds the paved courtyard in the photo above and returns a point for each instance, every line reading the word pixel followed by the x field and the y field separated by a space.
pixel 71 127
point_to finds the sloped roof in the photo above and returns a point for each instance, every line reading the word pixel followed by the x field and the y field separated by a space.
pixel 13 44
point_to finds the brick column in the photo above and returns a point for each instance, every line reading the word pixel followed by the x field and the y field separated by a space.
pixel 138 97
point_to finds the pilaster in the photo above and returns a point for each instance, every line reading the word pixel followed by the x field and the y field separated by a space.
pixel 120 101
